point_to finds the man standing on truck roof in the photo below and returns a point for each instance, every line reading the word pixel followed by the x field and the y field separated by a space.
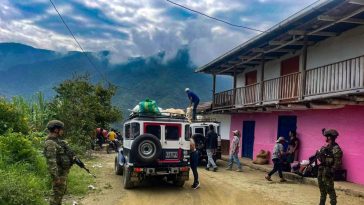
pixel 211 146
pixel 194 100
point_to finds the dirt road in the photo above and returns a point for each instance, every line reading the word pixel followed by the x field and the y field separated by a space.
pixel 217 188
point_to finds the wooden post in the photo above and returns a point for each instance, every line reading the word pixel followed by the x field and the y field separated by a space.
pixel 262 80
pixel 303 71
pixel 213 89
pixel 234 90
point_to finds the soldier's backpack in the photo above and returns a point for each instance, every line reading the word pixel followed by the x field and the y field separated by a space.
pixel 148 106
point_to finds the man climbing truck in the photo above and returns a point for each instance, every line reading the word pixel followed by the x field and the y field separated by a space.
pixel 194 101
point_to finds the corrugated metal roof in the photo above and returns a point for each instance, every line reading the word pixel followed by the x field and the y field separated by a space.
pixel 310 19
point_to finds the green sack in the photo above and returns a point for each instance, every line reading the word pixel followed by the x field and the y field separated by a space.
pixel 148 106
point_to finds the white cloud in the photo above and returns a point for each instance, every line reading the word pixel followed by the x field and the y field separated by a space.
pixel 150 29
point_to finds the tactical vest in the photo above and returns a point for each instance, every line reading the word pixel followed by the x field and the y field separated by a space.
pixel 64 159
pixel 327 156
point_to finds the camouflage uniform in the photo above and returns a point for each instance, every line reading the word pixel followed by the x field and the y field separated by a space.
pixel 59 163
pixel 330 157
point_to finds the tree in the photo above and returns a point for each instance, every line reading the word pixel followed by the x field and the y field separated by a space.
pixel 83 107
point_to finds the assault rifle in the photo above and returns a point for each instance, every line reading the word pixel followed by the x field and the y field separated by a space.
pixel 75 159
pixel 82 165
pixel 312 168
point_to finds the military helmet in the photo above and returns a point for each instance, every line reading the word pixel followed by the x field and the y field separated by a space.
pixel 55 124
pixel 330 133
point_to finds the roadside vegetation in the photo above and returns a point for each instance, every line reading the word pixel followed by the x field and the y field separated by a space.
pixel 23 169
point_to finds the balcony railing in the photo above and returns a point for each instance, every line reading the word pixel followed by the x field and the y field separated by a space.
pixel 248 95
pixel 337 77
pixel 282 88
pixel 347 75
pixel 224 99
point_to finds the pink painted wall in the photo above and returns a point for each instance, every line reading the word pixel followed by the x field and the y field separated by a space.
pixel 348 121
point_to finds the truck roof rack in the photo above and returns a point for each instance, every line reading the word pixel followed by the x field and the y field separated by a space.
pixel 206 120
pixel 162 115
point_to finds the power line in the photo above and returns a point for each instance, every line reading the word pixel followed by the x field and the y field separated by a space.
pixel 214 18
pixel 79 45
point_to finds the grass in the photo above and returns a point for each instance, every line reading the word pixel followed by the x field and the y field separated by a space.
pixel 78 181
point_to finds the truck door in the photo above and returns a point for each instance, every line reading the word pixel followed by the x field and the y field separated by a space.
pixel 171 141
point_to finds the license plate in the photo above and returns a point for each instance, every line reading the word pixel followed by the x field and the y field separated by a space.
pixel 171 155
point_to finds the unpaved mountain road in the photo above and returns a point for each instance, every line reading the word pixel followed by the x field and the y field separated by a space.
pixel 217 188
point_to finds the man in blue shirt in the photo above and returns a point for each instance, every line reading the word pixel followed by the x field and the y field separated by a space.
pixel 194 100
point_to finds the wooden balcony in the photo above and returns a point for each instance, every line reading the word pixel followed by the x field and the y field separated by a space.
pixel 329 80
pixel 282 88
pixel 248 95
pixel 224 99
pixel 337 77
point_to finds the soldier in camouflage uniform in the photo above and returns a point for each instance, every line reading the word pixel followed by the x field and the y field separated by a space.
pixel 330 157
pixel 58 159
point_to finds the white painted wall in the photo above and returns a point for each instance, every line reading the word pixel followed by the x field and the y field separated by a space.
pixel 241 77
pixel 348 45
pixel 225 121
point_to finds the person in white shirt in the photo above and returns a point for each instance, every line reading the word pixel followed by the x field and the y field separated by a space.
pixel 234 150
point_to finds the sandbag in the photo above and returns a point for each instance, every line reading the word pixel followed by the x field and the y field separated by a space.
pixel 189 114
pixel 262 157
pixel 174 111
pixel 260 161
pixel 148 106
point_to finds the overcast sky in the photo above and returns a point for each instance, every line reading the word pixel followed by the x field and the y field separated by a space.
pixel 131 28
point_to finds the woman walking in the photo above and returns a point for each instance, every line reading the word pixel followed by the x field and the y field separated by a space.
pixel 194 163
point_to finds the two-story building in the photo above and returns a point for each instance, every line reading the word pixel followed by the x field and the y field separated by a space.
pixel 304 74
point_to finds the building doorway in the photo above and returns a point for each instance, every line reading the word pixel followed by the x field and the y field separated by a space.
pixel 286 124
pixel 248 139
pixel 289 81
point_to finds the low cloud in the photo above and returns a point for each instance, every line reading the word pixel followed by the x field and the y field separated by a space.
pixel 130 28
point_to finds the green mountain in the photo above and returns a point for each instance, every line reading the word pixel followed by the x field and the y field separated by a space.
pixel 26 70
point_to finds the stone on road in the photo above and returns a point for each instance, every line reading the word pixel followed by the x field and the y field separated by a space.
pixel 217 188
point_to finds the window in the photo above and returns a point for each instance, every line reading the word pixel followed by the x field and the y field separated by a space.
pixel 135 130
pixel 218 130
pixel 172 133
pixel 187 132
pixel 199 130
pixel 127 131
pixel 154 130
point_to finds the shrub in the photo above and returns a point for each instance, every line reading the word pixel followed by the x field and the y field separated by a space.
pixel 16 148
pixel 18 186
pixel 11 118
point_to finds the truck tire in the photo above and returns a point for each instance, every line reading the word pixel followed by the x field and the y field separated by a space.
pixel 146 148
pixel 127 184
pixel 118 168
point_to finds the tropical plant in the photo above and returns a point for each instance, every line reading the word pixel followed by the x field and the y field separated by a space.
pixel 36 111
